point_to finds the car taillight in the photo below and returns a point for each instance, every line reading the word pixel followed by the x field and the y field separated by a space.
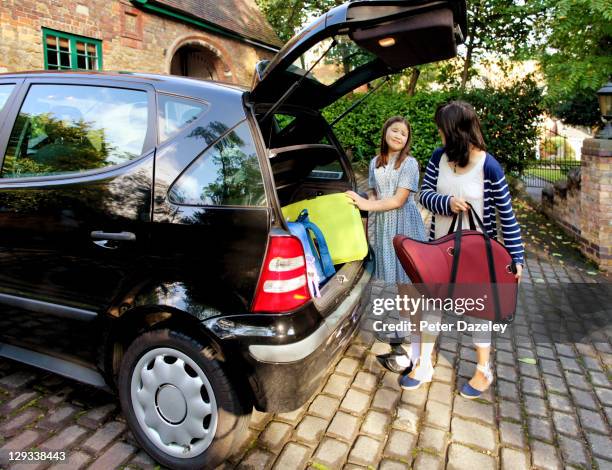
pixel 283 285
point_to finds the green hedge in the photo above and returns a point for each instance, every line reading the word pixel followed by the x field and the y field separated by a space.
pixel 509 118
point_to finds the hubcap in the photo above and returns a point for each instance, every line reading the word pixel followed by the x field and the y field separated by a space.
pixel 171 404
pixel 174 402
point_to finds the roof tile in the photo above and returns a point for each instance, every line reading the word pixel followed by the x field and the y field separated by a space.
pixel 240 16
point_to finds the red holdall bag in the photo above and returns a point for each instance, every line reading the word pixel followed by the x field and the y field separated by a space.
pixel 465 264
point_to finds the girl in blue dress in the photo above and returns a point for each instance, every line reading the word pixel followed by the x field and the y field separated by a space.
pixel 393 181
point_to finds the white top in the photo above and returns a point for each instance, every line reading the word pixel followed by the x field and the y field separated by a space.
pixel 468 186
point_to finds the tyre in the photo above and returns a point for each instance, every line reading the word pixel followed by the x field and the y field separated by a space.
pixel 178 401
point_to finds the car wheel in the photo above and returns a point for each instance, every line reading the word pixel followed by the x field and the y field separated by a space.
pixel 178 401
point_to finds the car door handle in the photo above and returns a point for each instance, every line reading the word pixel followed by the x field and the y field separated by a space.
pixel 116 236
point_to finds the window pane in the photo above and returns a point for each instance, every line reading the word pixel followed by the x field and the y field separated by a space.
pixel 226 174
pixel 283 120
pixel 71 128
pixel 64 44
pixel 331 171
pixel 65 51
pixel 65 59
pixel 51 59
pixel 177 113
pixel 51 42
pixel 5 92
pixel 329 70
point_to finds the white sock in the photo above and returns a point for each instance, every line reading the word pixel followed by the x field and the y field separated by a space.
pixel 426 350
pixel 415 347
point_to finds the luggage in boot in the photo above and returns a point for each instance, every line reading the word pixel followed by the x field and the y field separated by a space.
pixel 319 264
pixel 340 223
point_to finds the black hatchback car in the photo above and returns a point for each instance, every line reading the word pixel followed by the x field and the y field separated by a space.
pixel 142 244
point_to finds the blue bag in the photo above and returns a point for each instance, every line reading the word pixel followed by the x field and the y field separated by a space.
pixel 317 260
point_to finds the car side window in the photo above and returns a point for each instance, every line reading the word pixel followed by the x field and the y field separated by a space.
pixel 64 129
pixel 176 113
pixel 228 173
pixel 5 91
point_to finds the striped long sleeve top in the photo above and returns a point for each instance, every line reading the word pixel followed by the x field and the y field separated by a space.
pixel 496 197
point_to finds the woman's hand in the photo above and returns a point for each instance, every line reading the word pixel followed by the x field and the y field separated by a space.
pixel 358 201
pixel 458 205
pixel 519 272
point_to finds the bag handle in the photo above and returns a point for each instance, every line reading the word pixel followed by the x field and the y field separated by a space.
pixel 456 216
pixel 490 260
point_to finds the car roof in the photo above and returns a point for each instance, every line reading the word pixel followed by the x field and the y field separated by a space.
pixel 165 83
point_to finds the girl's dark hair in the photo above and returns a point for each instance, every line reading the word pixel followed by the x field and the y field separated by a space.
pixel 383 158
pixel 461 127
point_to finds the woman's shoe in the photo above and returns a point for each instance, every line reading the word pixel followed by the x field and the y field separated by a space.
pixel 399 363
pixel 469 392
pixel 423 374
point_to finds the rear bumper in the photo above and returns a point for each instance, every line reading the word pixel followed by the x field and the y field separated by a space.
pixel 300 350
pixel 283 376
pixel 287 375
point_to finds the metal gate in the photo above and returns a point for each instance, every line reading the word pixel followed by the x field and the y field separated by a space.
pixel 554 158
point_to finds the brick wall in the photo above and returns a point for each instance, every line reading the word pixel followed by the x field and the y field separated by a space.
pixel 583 204
pixel 596 201
pixel 561 202
pixel 143 43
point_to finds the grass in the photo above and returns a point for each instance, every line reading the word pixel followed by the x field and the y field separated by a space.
pixel 549 174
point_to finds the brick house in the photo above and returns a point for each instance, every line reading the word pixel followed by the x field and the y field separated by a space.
pixel 220 40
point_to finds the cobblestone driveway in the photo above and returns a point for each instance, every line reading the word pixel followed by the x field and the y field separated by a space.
pixel 553 414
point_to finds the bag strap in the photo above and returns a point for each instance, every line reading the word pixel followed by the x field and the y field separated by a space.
pixel 471 214
pixel 453 224
pixel 456 253
pixel 454 221
pixel 474 216
pixel 490 260
pixel 326 262
pixel 491 263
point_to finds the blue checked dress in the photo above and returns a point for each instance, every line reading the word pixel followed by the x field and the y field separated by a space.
pixel 406 220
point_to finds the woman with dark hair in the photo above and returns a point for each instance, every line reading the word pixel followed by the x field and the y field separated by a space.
pixel 393 181
pixel 459 173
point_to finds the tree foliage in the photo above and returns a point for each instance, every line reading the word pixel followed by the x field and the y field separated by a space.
pixel 577 57
pixel 287 17
pixel 578 108
pixel 578 53
pixel 503 29
pixel 509 117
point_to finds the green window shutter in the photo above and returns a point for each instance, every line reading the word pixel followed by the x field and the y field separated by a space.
pixel 63 51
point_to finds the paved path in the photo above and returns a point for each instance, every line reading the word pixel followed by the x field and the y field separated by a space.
pixel 553 414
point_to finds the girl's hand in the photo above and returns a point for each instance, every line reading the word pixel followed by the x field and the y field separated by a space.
pixel 458 205
pixel 356 200
pixel 519 272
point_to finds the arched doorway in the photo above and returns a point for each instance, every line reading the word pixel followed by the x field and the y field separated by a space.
pixel 193 60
